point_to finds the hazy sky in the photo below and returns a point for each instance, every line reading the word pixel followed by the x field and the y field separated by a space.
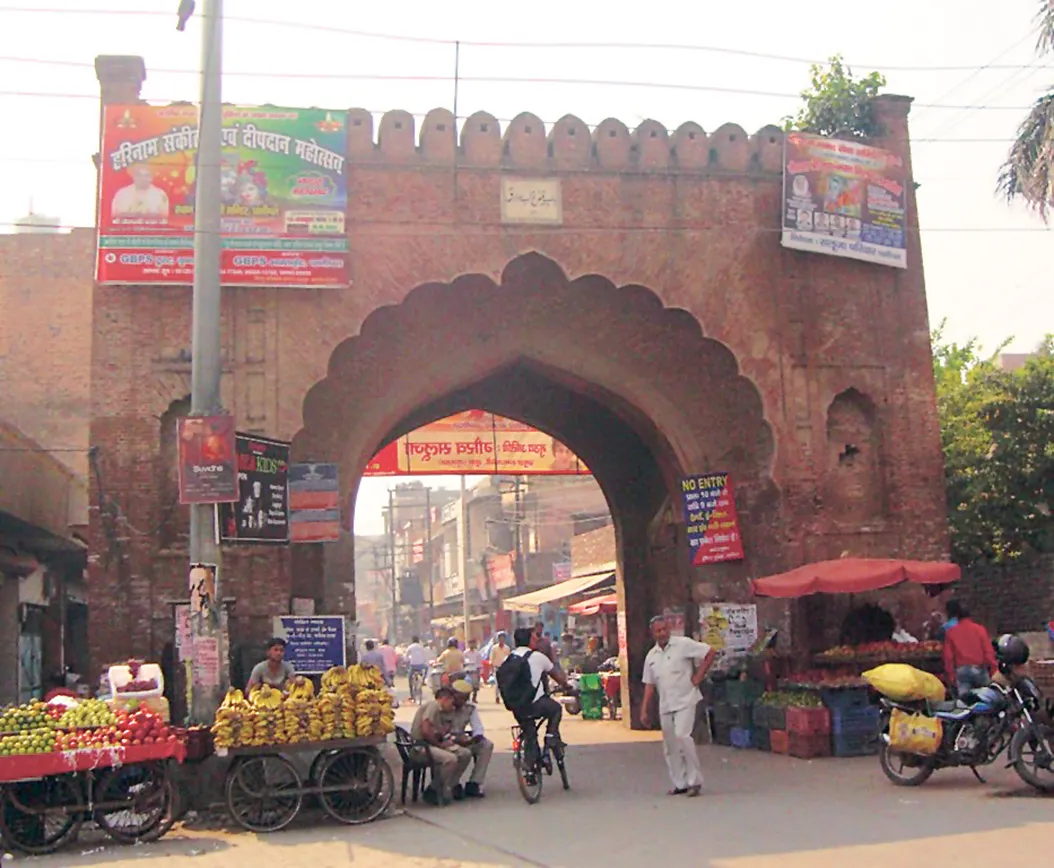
pixel 986 264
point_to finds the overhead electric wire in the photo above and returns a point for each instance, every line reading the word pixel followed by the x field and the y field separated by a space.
pixel 509 44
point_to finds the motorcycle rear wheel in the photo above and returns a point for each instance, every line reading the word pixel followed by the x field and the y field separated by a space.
pixel 896 769
pixel 1021 748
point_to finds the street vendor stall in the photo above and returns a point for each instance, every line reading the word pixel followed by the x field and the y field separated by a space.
pixel 63 764
pixel 343 726
pixel 811 705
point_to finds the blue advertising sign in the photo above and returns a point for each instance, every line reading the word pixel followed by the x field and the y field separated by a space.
pixel 315 643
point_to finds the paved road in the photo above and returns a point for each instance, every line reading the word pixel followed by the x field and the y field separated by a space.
pixel 758 811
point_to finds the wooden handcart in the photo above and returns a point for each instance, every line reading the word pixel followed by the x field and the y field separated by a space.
pixel 129 792
pixel 349 777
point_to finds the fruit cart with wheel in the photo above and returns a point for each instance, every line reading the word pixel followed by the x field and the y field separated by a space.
pixel 349 777
pixel 129 792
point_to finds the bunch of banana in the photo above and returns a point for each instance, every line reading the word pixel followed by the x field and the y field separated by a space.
pixel 346 713
pixel 329 712
pixel 370 706
pixel 263 696
pixel 268 723
pixel 365 677
pixel 334 678
pixel 301 689
pixel 233 725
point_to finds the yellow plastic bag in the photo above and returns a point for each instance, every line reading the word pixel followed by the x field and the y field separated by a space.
pixel 905 683
pixel 914 733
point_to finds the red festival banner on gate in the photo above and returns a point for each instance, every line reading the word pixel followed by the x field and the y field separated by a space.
pixel 284 193
pixel 474 443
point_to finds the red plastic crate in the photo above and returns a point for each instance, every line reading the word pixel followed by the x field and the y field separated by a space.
pixel 809 721
pixel 809 746
pixel 779 741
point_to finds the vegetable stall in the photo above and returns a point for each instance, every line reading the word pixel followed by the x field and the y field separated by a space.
pixel 811 705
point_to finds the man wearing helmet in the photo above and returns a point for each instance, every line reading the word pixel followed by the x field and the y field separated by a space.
pixel 969 658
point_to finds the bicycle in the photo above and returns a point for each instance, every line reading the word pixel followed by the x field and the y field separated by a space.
pixel 416 678
pixel 529 773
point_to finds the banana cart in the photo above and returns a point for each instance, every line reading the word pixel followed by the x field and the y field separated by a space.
pixel 349 777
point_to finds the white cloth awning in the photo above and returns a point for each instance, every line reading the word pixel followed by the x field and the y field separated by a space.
pixel 535 599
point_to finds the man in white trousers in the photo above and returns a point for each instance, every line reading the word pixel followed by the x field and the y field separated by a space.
pixel 676 666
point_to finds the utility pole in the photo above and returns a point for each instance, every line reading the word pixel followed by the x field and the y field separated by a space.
pixel 518 567
pixel 428 557
pixel 462 557
pixel 391 542
pixel 205 347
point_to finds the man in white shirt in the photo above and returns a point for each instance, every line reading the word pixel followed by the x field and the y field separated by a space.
pixel 676 666
pixel 466 715
pixel 499 653
pixel 417 660
pixel 473 667
pixel 544 706
pixel 140 198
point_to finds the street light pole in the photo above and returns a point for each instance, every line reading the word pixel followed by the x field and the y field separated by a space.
pixel 462 558
pixel 205 348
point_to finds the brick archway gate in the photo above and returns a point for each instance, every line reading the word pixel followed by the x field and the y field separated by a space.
pixel 631 386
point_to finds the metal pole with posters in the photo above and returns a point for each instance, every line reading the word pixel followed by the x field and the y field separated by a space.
pixel 462 557
pixel 207 690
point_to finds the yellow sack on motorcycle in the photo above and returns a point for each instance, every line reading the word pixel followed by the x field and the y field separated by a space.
pixel 905 683
pixel 914 733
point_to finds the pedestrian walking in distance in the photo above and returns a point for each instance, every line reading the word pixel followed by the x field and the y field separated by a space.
pixel 675 667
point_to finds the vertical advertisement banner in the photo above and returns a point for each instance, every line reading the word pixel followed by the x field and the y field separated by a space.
pixel 314 510
pixel 844 199
pixel 261 513
pixel 284 196
pixel 711 523
pixel 207 472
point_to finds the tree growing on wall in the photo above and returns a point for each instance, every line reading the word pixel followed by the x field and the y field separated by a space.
pixel 837 103
pixel 1028 173
pixel 997 433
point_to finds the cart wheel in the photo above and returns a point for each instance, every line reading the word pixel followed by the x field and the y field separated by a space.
pixel 360 785
pixel 149 801
pixel 32 818
pixel 264 793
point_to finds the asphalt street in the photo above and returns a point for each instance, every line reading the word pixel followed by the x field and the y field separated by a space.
pixel 757 810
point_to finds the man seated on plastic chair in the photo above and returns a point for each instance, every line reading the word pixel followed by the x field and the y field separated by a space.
pixel 466 715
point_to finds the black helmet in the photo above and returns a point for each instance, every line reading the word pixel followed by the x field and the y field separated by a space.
pixel 1012 650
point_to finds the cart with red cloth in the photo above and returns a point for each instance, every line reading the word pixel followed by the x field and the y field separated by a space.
pixel 129 792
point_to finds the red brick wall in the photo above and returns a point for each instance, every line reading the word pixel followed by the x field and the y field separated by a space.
pixel 665 331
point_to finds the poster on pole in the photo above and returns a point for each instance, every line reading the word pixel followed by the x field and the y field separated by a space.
pixel 207 466
pixel 261 513
pixel 729 628
pixel 844 198
pixel 284 194
pixel 711 522
pixel 315 643
pixel 314 508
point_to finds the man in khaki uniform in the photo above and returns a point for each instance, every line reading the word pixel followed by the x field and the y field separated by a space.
pixel 433 724
pixel 473 742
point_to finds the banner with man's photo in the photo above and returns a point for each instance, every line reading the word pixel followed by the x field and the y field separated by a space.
pixel 284 195
pixel 844 198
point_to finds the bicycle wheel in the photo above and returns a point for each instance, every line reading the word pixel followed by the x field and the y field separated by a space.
pixel 528 778
pixel 40 816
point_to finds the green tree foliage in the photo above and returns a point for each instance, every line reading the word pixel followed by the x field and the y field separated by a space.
pixel 997 432
pixel 1028 173
pixel 837 104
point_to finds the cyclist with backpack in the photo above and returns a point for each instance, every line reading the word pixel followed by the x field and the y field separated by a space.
pixel 521 682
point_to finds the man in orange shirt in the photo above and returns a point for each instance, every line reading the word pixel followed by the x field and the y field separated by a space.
pixel 969 658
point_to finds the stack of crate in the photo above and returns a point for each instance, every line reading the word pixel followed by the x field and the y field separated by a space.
pixel 807 734
pixel 733 717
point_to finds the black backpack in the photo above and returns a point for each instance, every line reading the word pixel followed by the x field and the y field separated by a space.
pixel 515 683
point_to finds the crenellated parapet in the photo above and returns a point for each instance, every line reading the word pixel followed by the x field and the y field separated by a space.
pixel 568 145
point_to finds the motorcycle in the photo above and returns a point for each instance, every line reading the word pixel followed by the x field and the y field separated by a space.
pixel 569 699
pixel 1008 715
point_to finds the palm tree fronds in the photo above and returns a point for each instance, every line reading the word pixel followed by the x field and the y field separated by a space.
pixel 1028 173
pixel 1045 26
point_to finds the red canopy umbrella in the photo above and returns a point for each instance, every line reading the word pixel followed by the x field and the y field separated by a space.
pixel 606 604
pixel 853 576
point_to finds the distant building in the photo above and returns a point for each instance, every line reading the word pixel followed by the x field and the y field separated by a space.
pixel 37 224
pixel 1014 361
